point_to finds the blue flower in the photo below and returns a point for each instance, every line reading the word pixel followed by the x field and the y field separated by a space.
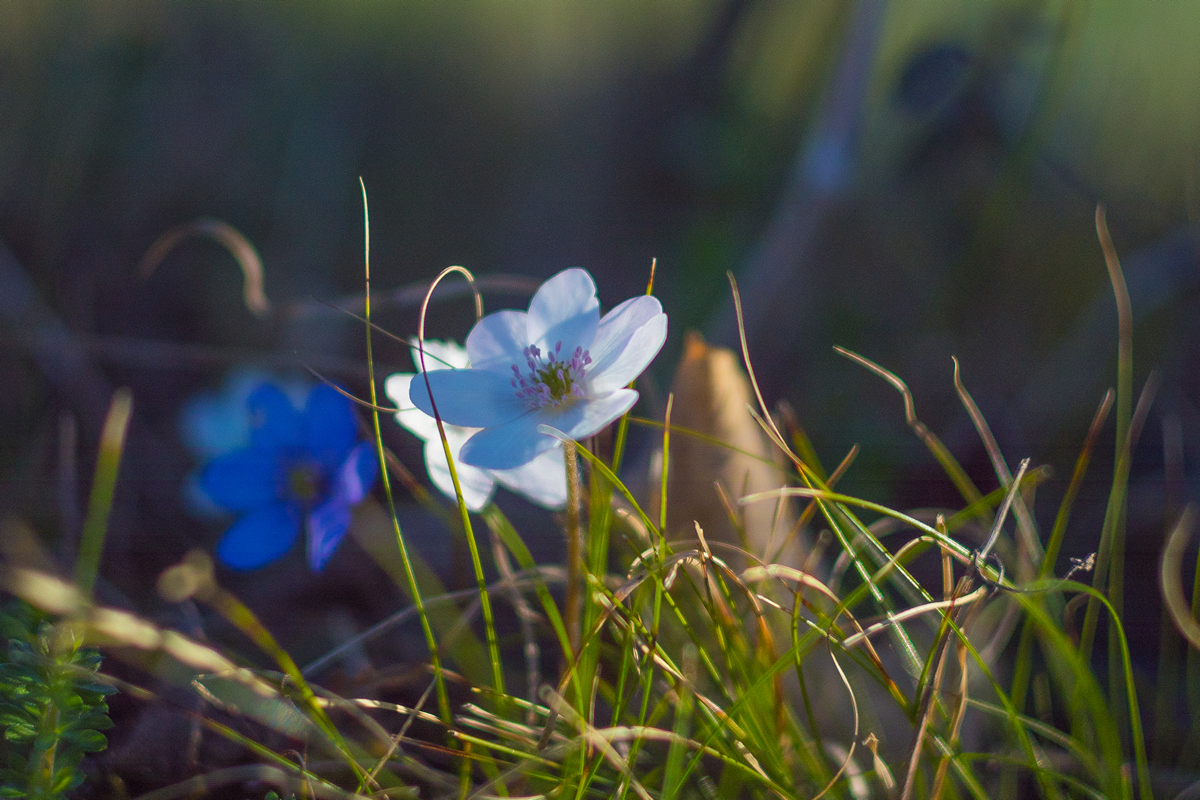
pixel 300 467
pixel 215 421
pixel 559 364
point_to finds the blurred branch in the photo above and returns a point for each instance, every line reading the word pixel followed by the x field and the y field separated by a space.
pixel 232 240
pixel 80 384
pixel 820 176
pixel 53 347
pixel 411 296
pixel 164 354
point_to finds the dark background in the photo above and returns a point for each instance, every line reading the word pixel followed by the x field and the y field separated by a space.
pixel 908 179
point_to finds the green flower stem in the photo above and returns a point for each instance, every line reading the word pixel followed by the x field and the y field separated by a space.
pixel 574 548
pixel 485 602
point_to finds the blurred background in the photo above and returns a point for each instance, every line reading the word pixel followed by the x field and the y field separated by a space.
pixel 908 179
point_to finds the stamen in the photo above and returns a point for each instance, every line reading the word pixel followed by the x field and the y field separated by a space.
pixel 553 381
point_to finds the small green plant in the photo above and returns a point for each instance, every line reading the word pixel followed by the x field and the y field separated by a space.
pixel 52 708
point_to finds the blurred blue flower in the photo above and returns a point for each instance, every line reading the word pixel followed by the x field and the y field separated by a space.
pixel 215 421
pixel 299 467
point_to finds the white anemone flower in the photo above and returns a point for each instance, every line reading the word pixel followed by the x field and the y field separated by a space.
pixel 558 365
pixel 543 480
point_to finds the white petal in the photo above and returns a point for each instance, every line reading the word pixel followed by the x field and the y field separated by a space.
pixel 510 445
pixel 565 309
pixel 477 485
pixel 543 480
pixel 628 354
pixel 414 419
pixel 497 341
pixel 588 417
pixel 470 398
pixel 439 355
pixel 396 388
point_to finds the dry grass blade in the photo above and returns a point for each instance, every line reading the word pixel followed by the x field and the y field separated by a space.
pixel 1032 547
pixel 854 738
pixel 947 461
pixel 232 240
pixel 1170 582
pixel 1010 499
pixel 594 737
pixel 741 324
pixel 104 625
pixel 960 711
pixel 780 571
pixel 953 605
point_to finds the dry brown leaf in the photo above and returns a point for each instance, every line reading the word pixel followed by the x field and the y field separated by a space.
pixel 711 396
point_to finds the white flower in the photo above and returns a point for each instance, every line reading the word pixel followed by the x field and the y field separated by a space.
pixel 559 364
pixel 543 480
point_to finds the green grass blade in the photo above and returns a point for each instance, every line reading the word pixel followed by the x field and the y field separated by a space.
pixel 104 485
pixel 414 590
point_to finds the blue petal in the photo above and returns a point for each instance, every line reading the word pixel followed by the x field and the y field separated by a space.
pixel 327 526
pixel 211 424
pixel 357 474
pixel 469 398
pixel 274 421
pixel 330 428
pixel 509 445
pixel 496 341
pixel 243 480
pixel 260 537
pixel 582 420
pixel 564 309
pixel 628 356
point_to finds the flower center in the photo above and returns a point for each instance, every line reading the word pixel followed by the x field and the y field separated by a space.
pixel 551 381
pixel 305 482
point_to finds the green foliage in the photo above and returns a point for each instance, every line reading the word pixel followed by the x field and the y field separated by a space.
pixel 52 708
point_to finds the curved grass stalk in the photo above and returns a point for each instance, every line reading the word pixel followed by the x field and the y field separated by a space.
pixel 1170 583
pixel 414 591
pixel 472 545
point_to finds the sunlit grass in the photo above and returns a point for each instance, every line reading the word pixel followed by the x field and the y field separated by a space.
pixel 697 669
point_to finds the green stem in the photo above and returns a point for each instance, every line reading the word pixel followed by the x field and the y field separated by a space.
pixel 414 590
pixel 45 771
pixel 574 548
